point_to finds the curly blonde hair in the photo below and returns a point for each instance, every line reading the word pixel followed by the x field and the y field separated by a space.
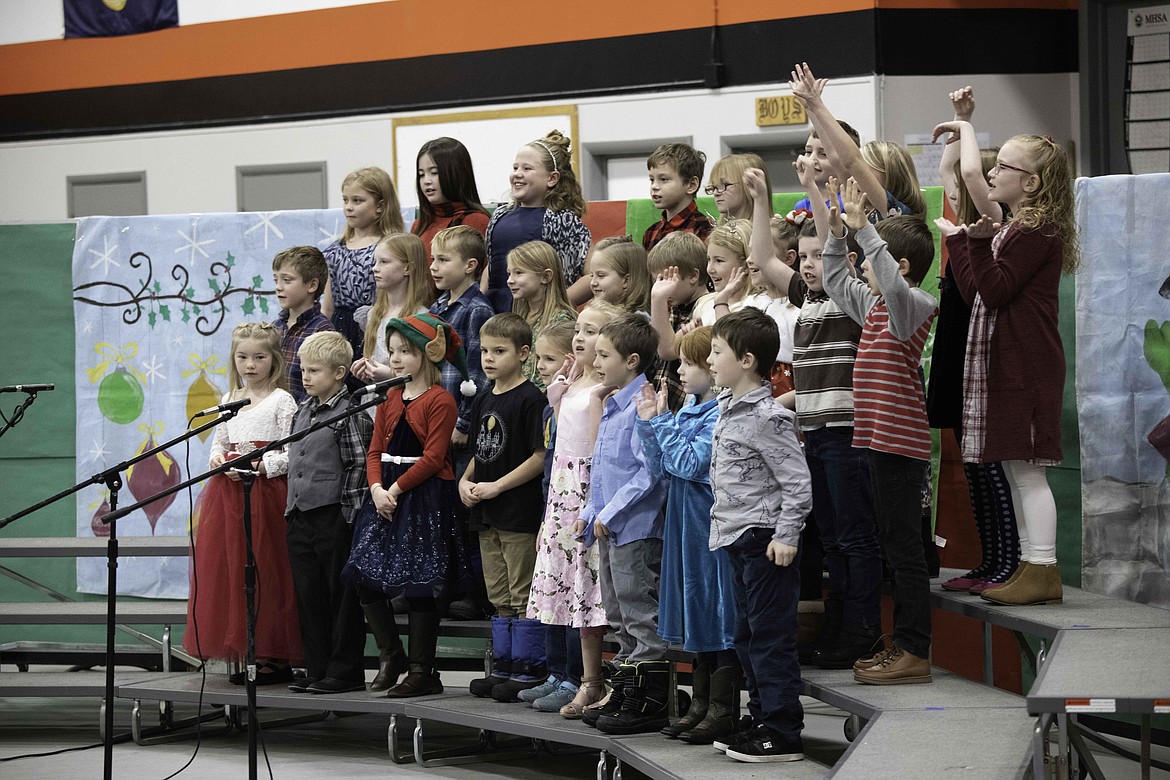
pixel 556 150
pixel 1052 202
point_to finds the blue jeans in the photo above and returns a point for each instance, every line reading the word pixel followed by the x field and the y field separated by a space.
pixel 843 510
pixel 897 485
pixel 765 632
pixel 562 646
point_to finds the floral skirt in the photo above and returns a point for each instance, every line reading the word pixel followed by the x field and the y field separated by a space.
pixel 566 585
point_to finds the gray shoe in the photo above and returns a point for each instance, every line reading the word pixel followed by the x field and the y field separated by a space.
pixel 540 691
pixel 564 693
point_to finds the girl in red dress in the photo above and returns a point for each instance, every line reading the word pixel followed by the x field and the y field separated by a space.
pixel 216 611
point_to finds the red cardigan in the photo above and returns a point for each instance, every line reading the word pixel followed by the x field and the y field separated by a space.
pixel 432 418
pixel 1025 383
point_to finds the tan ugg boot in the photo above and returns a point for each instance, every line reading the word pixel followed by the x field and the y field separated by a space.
pixel 1038 584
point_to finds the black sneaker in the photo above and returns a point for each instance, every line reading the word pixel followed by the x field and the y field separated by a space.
pixel 766 746
pixel 743 731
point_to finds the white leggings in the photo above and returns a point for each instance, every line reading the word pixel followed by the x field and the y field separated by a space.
pixel 1035 511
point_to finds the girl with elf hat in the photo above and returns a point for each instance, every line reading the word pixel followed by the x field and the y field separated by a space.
pixel 406 537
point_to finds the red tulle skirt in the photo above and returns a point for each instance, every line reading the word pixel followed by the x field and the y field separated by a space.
pixel 216 602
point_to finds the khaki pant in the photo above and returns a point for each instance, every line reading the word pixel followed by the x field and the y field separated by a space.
pixel 509 558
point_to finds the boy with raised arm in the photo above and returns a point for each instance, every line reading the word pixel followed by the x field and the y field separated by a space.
pixel 890 410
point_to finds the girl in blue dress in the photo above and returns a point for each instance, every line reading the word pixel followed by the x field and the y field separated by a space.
pixel 696 606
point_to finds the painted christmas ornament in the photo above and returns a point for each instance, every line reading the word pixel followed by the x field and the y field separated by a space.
pixel 153 475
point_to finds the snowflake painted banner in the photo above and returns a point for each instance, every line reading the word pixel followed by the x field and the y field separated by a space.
pixel 155 301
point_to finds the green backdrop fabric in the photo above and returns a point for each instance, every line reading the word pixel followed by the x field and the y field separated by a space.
pixel 37 456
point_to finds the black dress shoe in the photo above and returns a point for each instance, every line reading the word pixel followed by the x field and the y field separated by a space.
pixel 334 685
pixel 274 675
pixel 266 674
pixel 301 684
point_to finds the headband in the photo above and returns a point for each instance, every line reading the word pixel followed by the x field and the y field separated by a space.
pixel 552 156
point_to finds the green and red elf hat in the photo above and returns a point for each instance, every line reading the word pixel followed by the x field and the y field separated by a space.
pixel 438 341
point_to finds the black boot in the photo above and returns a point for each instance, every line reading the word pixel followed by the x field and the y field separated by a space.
pixel 501 658
pixel 617 694
pixel 700 690
pixel 646 703
pixel 720 720
pixel 391 655
pixel 422 678
pixel 830 628
pixel 529 660
pixel 852 643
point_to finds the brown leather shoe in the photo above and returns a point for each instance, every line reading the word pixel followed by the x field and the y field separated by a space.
pixel 865 663
pixel 1038 584
pixel 897 668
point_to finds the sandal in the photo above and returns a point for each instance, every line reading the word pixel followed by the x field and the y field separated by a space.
pixel 592 693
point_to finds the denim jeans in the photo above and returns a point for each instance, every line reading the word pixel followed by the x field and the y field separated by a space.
pixel 765 632
pixel 843 510
pixel 562 647
pixel 897 490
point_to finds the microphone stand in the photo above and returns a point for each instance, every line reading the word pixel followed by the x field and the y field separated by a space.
pixel 378 395
pixel 112 479
pixel 18 415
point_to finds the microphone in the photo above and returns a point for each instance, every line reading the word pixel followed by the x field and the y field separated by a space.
pixel 230 406
pixel 385 384
pixel 26 388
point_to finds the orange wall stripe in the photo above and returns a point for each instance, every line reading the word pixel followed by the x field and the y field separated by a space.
pixel 392 30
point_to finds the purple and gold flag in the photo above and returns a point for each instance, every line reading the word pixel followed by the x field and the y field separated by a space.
pixel 98 18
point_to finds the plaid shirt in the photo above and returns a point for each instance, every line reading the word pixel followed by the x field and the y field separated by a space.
pixel 353 439
pixel 310 322
pixel 689 219
pixel 466 315
pixel 665 372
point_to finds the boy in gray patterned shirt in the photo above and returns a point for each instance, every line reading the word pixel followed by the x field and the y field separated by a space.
pixel 762 495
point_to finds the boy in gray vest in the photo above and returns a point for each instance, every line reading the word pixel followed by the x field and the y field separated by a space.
pixel 326 485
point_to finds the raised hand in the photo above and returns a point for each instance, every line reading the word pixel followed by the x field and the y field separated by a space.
pixel 947 228
pixel 963 102
pixel 803 165
pixel 954 127
pixel 646 403
pixel 666 285
pixel 734 287
pixel 805 85
pixel 986 227
pixel 566 369
pixel 753 182
pixel 854 200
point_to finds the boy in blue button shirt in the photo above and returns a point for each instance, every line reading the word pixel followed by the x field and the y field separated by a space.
pixel 625 516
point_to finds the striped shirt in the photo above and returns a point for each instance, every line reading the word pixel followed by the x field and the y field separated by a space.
pixel 890 406
pixel 889 412
pixel 824 348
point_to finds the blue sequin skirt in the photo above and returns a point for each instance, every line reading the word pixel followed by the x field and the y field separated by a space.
pixel 419 551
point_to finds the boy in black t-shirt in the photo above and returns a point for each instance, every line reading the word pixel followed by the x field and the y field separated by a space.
pixel 501 487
